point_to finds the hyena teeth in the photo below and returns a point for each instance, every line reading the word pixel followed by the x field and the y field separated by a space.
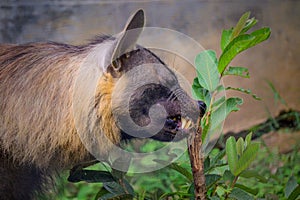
pixel 183 123
pixel 188 124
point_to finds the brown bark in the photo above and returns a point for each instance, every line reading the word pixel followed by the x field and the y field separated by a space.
pixel 197 161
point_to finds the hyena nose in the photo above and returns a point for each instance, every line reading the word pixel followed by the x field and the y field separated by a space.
pixel 202 107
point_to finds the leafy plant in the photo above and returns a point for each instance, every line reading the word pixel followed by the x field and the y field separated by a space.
pixel 210 71
pixel 207 88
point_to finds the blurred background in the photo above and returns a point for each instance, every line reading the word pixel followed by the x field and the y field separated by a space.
pixel 276 60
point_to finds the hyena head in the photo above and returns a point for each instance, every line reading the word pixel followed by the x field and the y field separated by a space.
pixel 147 100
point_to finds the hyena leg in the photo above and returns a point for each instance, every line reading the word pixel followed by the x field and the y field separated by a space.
pixel 18 182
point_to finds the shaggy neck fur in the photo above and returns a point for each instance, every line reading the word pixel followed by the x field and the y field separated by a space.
pixel 36 119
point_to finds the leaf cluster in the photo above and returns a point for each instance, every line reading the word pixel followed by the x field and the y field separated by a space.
pixel 210 70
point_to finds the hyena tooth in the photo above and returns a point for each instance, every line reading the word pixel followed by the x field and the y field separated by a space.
pixel 183 123
pixel 188 124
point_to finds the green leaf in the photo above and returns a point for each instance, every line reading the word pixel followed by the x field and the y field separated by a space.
pixel 211 179
pixel 240 25
pixel 191 191
pixel 216 104
pixel 219 114
pixel 249 24
pixel 181 170
pixel 206 163
pixel 217 158
pixel 225 38
pixel 290 186
pixel 253 174
pixel 220 110
pixel 239 194
pixel 228 176
pixel 91 176
pixel 128 188
pixel 247 157
pixel 220 191
pixel 175 166
pixel 231 154
pixel 175 194
pixel 220 88
pixel 295 193
pixel 260 35
pixel 207 71
pixel 101 193
pixel 114 187
pixel 248 139
pixel 240 146
pixel 247 189
pixel 116 196
pixel 111 191
pixel 121 161
pixel 236 46
pixel 244 91
pixel 200 93
pixel 237 71
pixel 241 43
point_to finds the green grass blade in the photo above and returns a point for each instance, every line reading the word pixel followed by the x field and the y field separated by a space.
pixel 277 96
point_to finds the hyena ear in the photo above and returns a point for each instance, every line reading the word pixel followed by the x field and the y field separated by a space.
pixel 127 39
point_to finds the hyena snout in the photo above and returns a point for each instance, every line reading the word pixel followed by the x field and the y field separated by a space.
pixel 181 110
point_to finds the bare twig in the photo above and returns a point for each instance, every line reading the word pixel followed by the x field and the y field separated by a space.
pixel 197 161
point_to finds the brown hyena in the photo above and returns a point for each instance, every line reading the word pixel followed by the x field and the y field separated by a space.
pixel 38 136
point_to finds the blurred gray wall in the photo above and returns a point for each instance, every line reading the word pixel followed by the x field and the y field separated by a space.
pixel 276 60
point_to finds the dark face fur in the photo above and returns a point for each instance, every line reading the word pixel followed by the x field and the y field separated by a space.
pixel 182 111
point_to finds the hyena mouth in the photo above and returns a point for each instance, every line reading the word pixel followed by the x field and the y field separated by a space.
pixel 180 110
pixel 177 124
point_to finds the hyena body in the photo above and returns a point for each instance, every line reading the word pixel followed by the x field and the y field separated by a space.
pixel 38 136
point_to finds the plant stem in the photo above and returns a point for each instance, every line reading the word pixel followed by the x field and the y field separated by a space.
pixel 232 185
pixel 197 162
pixel 234 181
